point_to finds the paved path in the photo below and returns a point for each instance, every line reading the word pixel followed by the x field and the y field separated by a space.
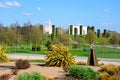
pixel 42 57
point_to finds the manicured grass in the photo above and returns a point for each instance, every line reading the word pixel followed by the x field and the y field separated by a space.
pixel 78 52
pixel 101 52
pixel 27 50
pixel 105 52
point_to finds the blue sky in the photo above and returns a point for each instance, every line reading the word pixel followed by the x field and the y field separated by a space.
pixel 103 14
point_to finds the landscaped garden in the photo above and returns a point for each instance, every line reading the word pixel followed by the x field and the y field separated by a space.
pixel 59 64
pixel 60 49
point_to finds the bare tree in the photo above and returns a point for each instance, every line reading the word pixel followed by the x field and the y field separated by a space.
pixel 90 37
pixel 114 40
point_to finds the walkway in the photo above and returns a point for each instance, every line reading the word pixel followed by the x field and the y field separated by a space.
pixel 42 57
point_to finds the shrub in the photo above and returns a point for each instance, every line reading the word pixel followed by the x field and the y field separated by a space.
pixel 28 76
pixel 110 68
pixel 48 43
pixel 36 48
pixel 65 68
pixel 22 64
pixel 82 73
pixel 119 68
pixel 81 63
pixel 106 76
pixel 3 56
pixel 15 71
pixel 59 55
pixel 5 77
pixel 101 64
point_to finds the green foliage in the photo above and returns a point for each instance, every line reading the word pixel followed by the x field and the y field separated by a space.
pixel 48 43
pixel 82 73
pixel 98 33
pixel 71 28
pixel 53 33
pixel 28 76
pixel 36 48
pixel 81 27
pixel 90 37
pixel 59 55
pixel 3 56
pixel 104 33
pixel 22 64
pixel 114 39
pixel 75 32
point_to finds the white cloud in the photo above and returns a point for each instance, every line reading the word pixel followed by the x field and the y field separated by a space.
pixel 106 24
pixel 17 4
pixel 10 4
pixel 106 10
pixel 27 14
pixel 38 8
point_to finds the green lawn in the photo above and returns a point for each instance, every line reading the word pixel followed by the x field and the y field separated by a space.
pixel 101 52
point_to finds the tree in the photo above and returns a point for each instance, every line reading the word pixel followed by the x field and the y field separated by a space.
pixel 63 37
pixel 75 32
pixel 77 41
pixel 81 27
pixel 71 29
pixel 104 33
pixel 93 28
pixel 8 35
pixel 53 33
pixel 57 32
pixel 90 37
pixel 98 33
pixel 114 40
pixel 35 35
pixel 88 28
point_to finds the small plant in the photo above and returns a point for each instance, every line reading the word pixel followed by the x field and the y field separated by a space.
pixel 81 63
pixel 119 68
pixel 65 68
pixel 59 56
pixel 22 64
pixel 106 76
pixel 14 71
pixel 51 78
pixel 82 73
pixel 36 48
pixel 28 76
pixel 44 77
pixel 101 64
pixel 3 56
pixel 5 77
pixel 110 68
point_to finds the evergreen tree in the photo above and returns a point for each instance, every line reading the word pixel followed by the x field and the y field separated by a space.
pixel 98 33
pixel 104 33
pixel 75 32
pixel 71 29
pixel 53 33
pixel 81 29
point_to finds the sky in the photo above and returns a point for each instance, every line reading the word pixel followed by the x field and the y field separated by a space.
pixel 103 14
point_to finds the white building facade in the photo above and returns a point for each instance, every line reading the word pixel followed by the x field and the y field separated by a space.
pixel 48 29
